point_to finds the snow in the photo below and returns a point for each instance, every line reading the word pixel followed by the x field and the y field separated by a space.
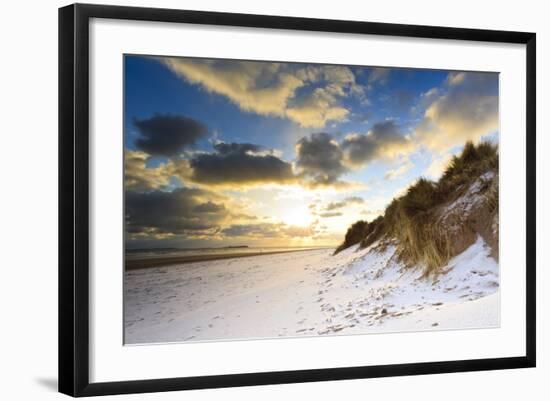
pixel 309 293
pixel 471 199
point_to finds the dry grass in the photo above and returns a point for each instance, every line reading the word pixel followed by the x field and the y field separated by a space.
pixel 412 218
pixel 354 235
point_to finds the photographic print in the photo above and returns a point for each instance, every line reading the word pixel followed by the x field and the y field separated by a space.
pixel 278 199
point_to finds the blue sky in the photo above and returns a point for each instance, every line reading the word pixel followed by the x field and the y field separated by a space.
pixel 222 152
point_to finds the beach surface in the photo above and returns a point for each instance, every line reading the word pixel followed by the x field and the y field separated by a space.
pixel 308 293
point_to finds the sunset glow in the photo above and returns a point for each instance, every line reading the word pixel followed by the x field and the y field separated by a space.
pixel 222 153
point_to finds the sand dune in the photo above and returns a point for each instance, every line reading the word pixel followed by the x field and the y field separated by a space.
pixel 308 293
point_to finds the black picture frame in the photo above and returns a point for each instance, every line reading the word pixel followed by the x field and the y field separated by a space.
pixel 74 202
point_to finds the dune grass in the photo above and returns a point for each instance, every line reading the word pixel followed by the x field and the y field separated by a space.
pixel 412 218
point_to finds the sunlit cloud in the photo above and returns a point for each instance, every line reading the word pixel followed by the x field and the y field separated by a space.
pixel 467 110
pixel 272 88
pixel 293 153
pixel 267 230
pixel 138 177
pixel 438 166
pixel 400 170
pixel 379 75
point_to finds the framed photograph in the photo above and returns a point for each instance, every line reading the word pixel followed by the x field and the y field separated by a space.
pixel 249 199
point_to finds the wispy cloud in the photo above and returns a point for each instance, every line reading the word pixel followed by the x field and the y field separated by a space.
pixel 438 166
pixel 345 202
pixel 398 171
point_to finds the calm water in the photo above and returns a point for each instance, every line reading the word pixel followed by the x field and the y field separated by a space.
pixel 156 253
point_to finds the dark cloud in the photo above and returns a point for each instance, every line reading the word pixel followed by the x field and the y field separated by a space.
pixel 320 158
pixel 184 210
pixel 209 207
pixel 384 140
pixel 330 214
pixel 239 163
pixel 342 203
pixel 168 135
pixel 264 230
pixel 225 148
pixel 354 199
pixel 335 205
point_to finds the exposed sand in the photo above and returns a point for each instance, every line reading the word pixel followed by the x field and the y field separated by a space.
pixel 308 293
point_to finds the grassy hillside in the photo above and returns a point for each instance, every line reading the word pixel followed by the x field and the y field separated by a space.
pixel 435 221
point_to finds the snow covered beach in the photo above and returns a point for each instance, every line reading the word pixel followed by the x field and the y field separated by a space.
pixel 309 293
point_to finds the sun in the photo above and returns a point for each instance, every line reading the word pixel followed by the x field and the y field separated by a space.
pixel 298 215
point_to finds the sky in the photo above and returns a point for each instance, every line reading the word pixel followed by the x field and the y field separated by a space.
pixel 231 152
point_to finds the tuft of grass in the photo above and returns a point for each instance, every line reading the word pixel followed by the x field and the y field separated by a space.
pixel 354 235
pixel 473 161
pixel 374 231
pixel 412 218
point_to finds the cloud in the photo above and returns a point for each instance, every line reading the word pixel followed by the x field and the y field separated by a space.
pixel 268 230
pixel 384 140
pixel 372 214
pixel 466 110
pixel 438 166
pixel 318 108
pixel 456 78
pixel 264 230
pixel 379 75
pixel 323 161
pixel 398 171
pixel 320 158
pixel 138 177
pixel 354 199
pixel 209 207
pixel 168 135
pixel 188 211
pixel 242 165
pixel 345 202
pixel 308 95
pixel 299 232
pixel 239 163
pixel 330 214
pixel 425 100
